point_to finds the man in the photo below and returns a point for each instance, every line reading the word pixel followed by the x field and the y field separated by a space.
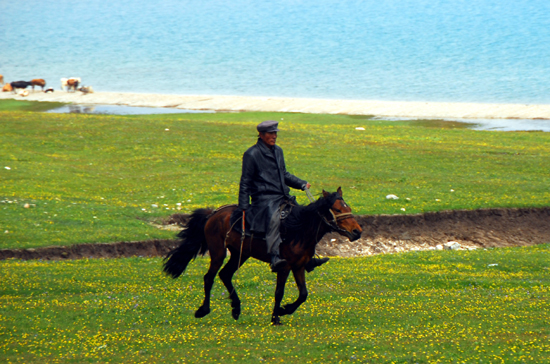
pixel 266 182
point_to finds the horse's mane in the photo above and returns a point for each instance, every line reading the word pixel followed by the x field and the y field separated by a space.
pixel 302 219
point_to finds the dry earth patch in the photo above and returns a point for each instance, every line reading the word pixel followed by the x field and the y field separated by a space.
pixel 486 228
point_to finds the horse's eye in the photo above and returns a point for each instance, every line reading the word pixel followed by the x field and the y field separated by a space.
pixel 337 210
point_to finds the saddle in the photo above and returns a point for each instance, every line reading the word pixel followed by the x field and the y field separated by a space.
pixel 237 225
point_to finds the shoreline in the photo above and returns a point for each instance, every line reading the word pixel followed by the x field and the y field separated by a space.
pixel 404 109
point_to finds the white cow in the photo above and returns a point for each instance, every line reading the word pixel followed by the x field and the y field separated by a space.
pixel 65 82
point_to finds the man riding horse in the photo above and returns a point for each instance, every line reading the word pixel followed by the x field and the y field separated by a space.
pixel 266 182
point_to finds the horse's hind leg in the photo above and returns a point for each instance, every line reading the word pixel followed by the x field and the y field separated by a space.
pixel 216 262
pixel 226 275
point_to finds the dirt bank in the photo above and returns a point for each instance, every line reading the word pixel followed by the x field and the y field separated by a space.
pixel 487 228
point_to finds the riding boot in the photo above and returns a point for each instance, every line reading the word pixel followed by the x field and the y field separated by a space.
pixel 277 263
pixel 314 262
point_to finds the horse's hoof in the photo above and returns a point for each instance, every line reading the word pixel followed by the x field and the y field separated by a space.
pixel 236 312
pixel 202 311
pixel 276 321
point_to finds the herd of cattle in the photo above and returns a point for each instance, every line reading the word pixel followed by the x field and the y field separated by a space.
pixel 67 84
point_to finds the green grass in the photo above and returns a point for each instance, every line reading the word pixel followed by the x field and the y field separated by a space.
pixel 96 178
pixel 488 306
pixel 21 105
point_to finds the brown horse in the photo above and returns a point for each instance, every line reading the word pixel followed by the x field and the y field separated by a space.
pixel 210 230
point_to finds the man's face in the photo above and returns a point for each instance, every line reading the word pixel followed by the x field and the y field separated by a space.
pixel 269 138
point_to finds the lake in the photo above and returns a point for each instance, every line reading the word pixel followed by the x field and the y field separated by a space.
pixel 406 50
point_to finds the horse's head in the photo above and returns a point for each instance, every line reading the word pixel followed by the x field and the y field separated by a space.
pixel 339 216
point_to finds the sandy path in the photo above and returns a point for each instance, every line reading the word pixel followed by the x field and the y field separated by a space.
pixel 302 105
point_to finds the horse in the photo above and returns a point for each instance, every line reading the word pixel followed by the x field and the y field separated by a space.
pixel 211 231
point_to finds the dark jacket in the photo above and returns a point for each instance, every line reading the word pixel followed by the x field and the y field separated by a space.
pixel 265 181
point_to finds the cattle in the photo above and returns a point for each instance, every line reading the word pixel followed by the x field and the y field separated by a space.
pixel 86 89
pixel 38 82
pixel 19 84
pixel 72 84
pixel 1 80
pixel 65 83
pixel 7 87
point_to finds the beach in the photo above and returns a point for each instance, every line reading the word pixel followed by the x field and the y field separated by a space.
pixel 395 109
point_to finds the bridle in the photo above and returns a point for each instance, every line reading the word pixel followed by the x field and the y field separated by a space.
pixel 341 216
pixel 333 224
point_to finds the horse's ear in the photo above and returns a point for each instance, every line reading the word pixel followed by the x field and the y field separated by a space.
pixel 325 194
pixel 339 190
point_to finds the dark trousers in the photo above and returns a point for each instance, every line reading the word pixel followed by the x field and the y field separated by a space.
pixel 273 235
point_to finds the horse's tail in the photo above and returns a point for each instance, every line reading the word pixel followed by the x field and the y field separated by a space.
pixel 193 243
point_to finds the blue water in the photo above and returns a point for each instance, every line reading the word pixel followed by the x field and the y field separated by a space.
pixel 401 50
pixel 121 110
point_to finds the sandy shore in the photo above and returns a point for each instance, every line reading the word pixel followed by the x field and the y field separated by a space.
pixel 302 105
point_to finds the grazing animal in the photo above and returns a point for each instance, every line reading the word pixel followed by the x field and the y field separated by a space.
pixel 86 89
pixel 49 89
pixel 1 80
pixel 211 231
pixel 19 84
pixel 72 84
pixel 73 81
pixel 7 87
pixel 38 82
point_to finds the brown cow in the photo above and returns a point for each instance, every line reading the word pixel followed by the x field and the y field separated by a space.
pixel 1 80
pixel 72 84
pixel 7 87
pixel 38 82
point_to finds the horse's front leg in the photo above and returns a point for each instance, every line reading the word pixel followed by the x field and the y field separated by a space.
pixel 300 278
pixel 282 276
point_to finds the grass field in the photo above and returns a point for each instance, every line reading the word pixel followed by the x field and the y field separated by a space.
pixel 486 306
pixel 67 179
pixel 73 178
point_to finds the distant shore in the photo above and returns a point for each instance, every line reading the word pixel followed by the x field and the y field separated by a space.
pixel 405 109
